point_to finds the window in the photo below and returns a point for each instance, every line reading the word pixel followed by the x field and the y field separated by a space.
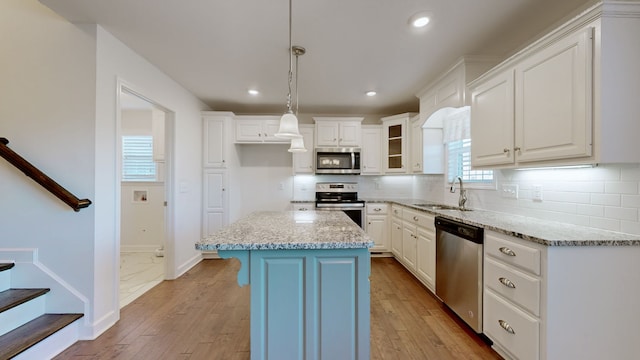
pixel 459 164
pixel 137 159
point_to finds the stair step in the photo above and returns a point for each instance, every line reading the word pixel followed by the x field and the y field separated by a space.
pixel 29 334
pixel 14 297
pixel 6 266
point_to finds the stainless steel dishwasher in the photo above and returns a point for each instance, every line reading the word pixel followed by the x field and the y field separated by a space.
pixel 459 269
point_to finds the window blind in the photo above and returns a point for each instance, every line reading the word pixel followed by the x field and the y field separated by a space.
pixel 137 159
pixel 459 163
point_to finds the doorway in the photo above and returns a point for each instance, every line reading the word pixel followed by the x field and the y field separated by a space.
pixel 144 183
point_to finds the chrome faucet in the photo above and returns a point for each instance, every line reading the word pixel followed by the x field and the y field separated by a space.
pixel 463 193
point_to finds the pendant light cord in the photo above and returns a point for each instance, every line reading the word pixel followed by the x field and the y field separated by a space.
pixel 290 57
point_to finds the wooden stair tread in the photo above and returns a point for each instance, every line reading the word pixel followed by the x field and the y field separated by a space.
pixel 6 266
pixel 29 334
pixel 14 297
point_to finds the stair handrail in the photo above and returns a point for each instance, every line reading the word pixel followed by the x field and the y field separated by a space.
pixel 41 178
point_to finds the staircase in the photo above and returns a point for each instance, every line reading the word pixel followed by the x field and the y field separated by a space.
pixel 26 332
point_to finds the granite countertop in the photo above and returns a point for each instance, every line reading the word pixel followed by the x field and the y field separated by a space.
pixel 289 230
pixel 545 232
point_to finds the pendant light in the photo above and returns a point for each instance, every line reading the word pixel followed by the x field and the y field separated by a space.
pixel 289 121
pixel 297 144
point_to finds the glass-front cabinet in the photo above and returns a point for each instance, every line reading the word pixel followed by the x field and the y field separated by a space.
pixel 395 141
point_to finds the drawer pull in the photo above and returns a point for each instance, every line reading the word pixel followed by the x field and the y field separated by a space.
pixel 506 282
pixel 377 209
pixel 303 209
pixel 415 218
pixel 507 251
pixel 505 325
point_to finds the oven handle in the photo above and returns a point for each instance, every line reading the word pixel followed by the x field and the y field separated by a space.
pixel 342 206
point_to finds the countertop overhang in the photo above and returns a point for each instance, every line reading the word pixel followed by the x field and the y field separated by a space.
pixel 289 230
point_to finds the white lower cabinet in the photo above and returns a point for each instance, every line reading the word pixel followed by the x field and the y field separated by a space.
pixel 377 228
pixel 512 295
pixel 215 200
pixel 413 243
pixel 396 231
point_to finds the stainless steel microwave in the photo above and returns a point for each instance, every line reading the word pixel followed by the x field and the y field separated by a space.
pixel 337 161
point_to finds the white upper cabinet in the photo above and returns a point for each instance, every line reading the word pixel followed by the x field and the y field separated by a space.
pixel 567 99
pixel 303 161
pixel 417 146
pixel 258 129
pixel 492 122
pixel 338 131
pixel 371 160
pixel 395 151
pixel 214 142
pixel 538 110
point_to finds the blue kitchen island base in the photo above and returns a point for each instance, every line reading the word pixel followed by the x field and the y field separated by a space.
pixel 307 304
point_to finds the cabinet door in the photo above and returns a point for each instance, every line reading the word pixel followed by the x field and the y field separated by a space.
pixel 396 238
pixel 303 162
pixel 249 131
pixel 492 121
pixel 214 142
pixel 215 201
pixel 349 134
pixel 553 101
pixel 416 146
pixel 327 133
pixel 426 257
pixel 270 128
pixel 371 152
pixel 377 229
pixel 395 143
pixel 409 243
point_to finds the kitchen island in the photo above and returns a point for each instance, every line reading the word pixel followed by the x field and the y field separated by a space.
pixel 309 276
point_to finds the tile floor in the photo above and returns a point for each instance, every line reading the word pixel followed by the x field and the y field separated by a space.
pixel 139 272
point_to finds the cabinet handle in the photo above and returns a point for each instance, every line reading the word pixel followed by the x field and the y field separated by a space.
pixel 517 148
pixel 302 209
pixel 415 218
pixel 377 209
pixel 506 151
pixel 340 139
pixel 506 282
pixel 265 135
pixel 259 134
pixel 222 160
pixel 507 251
pixel 505 325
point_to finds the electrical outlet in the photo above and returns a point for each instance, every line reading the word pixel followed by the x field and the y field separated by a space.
pixel 537 193
pixel 510 191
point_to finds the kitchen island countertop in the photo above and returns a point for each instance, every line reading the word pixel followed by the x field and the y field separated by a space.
pixel 289 230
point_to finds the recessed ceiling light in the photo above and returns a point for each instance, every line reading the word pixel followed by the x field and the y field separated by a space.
pixel 253 92
pixel 371 93
pixel 419 20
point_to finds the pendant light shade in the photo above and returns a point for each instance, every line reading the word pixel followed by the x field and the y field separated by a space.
pixel 289 121
pixel 297 145
pixel 288 127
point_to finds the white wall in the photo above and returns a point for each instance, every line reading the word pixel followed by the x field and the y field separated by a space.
pixel 116 61
pixel 47 111
pixel 58 109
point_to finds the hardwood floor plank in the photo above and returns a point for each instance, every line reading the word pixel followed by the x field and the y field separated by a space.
pixel 204 315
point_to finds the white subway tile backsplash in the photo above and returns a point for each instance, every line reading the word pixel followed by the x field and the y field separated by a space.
pixel 606 224
pixel 631 227
pixel 572 197
pixel 621 187
pixel 630 172
pixel 605 199
pixel 590 210
pixel 631 201
pixel 620 213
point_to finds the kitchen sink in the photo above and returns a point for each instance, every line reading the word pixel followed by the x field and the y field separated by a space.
pixel 431 206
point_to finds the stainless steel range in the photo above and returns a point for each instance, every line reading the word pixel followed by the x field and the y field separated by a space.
pixel 340 196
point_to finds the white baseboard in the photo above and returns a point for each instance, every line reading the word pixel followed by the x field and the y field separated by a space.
pixel 188 265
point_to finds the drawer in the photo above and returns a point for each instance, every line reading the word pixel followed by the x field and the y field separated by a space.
pixel 512 284
pixel 510 252
pixel 419 218
pixel 396 210
pixel 377 208
pixel 303 206
pixel 524 340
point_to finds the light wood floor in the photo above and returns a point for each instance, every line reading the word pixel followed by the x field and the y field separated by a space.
pixel 205 315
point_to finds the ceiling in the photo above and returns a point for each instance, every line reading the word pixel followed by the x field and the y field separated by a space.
pixel 218 50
